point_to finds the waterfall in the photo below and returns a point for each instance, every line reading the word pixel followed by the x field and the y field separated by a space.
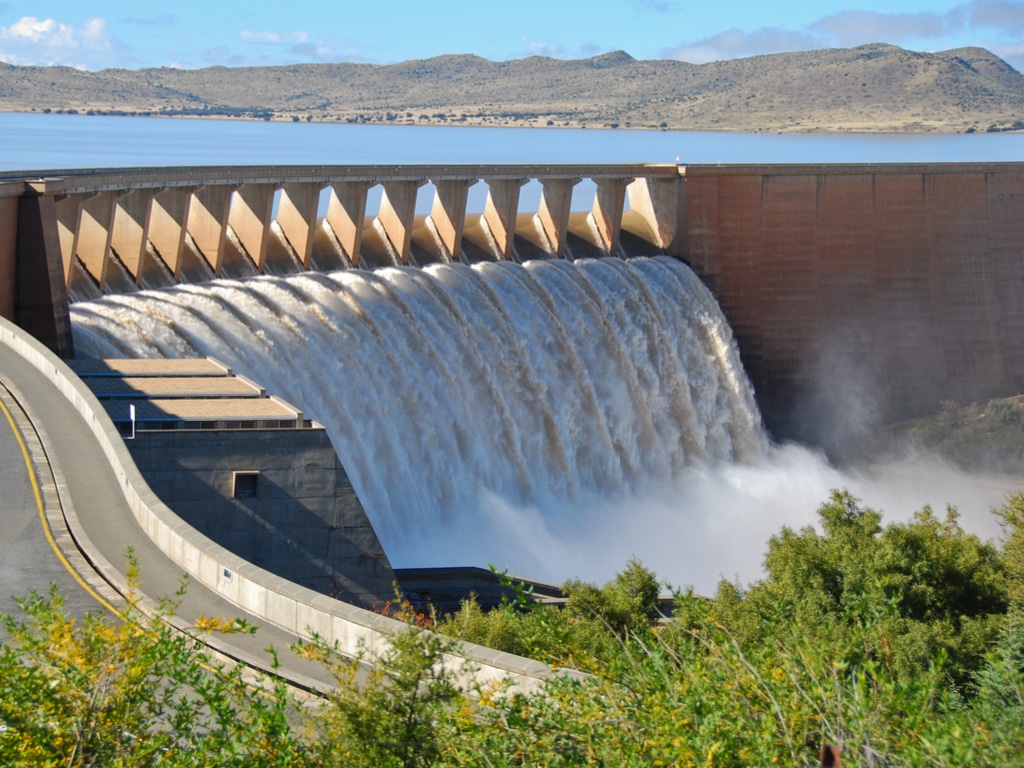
pixel 474 408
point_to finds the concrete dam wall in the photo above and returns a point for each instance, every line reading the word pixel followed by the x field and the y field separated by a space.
pixel 858 295
pixel 864 294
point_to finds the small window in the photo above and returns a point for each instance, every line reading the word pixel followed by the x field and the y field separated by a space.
pixel 247 485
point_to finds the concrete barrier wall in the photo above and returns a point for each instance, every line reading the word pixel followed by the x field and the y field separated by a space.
pixel 273 599
pixel 864 294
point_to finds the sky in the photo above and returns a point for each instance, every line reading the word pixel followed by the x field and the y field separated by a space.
pixel 133 34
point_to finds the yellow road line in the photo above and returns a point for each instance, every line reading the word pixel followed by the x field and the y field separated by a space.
pixel 60 555
pixel 42 515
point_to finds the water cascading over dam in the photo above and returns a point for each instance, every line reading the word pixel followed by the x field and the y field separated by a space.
pixel 474 407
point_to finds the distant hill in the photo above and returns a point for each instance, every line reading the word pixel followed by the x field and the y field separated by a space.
pixel 874 87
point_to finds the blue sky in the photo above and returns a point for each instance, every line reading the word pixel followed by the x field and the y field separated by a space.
pixel 198 33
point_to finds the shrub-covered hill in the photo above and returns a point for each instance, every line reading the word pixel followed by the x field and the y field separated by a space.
pixel 874 87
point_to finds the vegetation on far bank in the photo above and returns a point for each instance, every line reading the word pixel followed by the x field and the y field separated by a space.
pixel 903 643
pixel 975 437
pixel 869 88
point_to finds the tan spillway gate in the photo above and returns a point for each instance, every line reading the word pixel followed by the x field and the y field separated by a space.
pixel 149 223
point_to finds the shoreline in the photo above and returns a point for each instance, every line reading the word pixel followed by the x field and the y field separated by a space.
pixel 540 123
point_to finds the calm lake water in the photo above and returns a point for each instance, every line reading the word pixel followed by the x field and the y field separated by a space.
pixel 37 142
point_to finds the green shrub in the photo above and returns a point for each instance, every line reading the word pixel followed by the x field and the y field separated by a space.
pixel 132 692
pixel 902 643
pixel 924 587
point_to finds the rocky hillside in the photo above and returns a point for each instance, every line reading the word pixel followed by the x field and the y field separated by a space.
pixel 870 88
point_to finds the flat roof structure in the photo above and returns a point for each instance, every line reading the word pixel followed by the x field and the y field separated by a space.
pixel 183 394
pixel 87 368
pixel 174 387
pixel 203 410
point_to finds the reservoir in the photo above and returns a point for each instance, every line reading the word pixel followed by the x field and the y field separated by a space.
pixel 37 141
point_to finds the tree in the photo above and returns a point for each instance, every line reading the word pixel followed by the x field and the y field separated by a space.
pixel 626 604
pixel 925 586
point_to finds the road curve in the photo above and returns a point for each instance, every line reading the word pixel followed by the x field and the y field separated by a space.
pixel 30 557
pixel 108 507
pixel 92 526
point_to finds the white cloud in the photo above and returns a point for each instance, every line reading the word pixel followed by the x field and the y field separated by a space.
pixel 293 48
pixel 1005 15
pixel 47 42
pixel 850 28
pixel 323 51
pixel 267 48
pixel 1011 54
pixel 559 51
pixel 274 38
pixel 735 43
pixel 988 22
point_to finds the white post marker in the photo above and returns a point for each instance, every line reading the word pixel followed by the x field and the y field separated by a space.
pixel 131 414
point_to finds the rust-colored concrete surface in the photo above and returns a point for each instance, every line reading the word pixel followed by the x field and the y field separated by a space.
pixel 8 255
pixel 861 295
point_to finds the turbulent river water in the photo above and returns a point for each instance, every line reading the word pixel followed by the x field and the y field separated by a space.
pixel 556 418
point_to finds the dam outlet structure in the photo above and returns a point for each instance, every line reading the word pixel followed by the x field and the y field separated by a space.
pixel 511 356
pixel 858 294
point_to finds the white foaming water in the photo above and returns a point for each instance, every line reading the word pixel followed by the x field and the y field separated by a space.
pixel 553 418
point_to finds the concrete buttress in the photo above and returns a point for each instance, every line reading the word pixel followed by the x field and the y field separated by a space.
pixel 448 214
pixel 662 204
pixel 208 222
pixel 296 215
pixel 129 236
pixel 346 213
pixel 250 219
pixel 500 212
pixel 555 205
pixel 41 297
pixel 607 211
pixel 92 238
pixel 397 211
pixel 168 220
pixel 8 255
pixel 66 207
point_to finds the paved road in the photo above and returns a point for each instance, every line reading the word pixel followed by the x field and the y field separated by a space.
pixel 27 558
pixel 73 461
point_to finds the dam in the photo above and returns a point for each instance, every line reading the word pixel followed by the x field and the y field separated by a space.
pixel 813 265
pixel 516 357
